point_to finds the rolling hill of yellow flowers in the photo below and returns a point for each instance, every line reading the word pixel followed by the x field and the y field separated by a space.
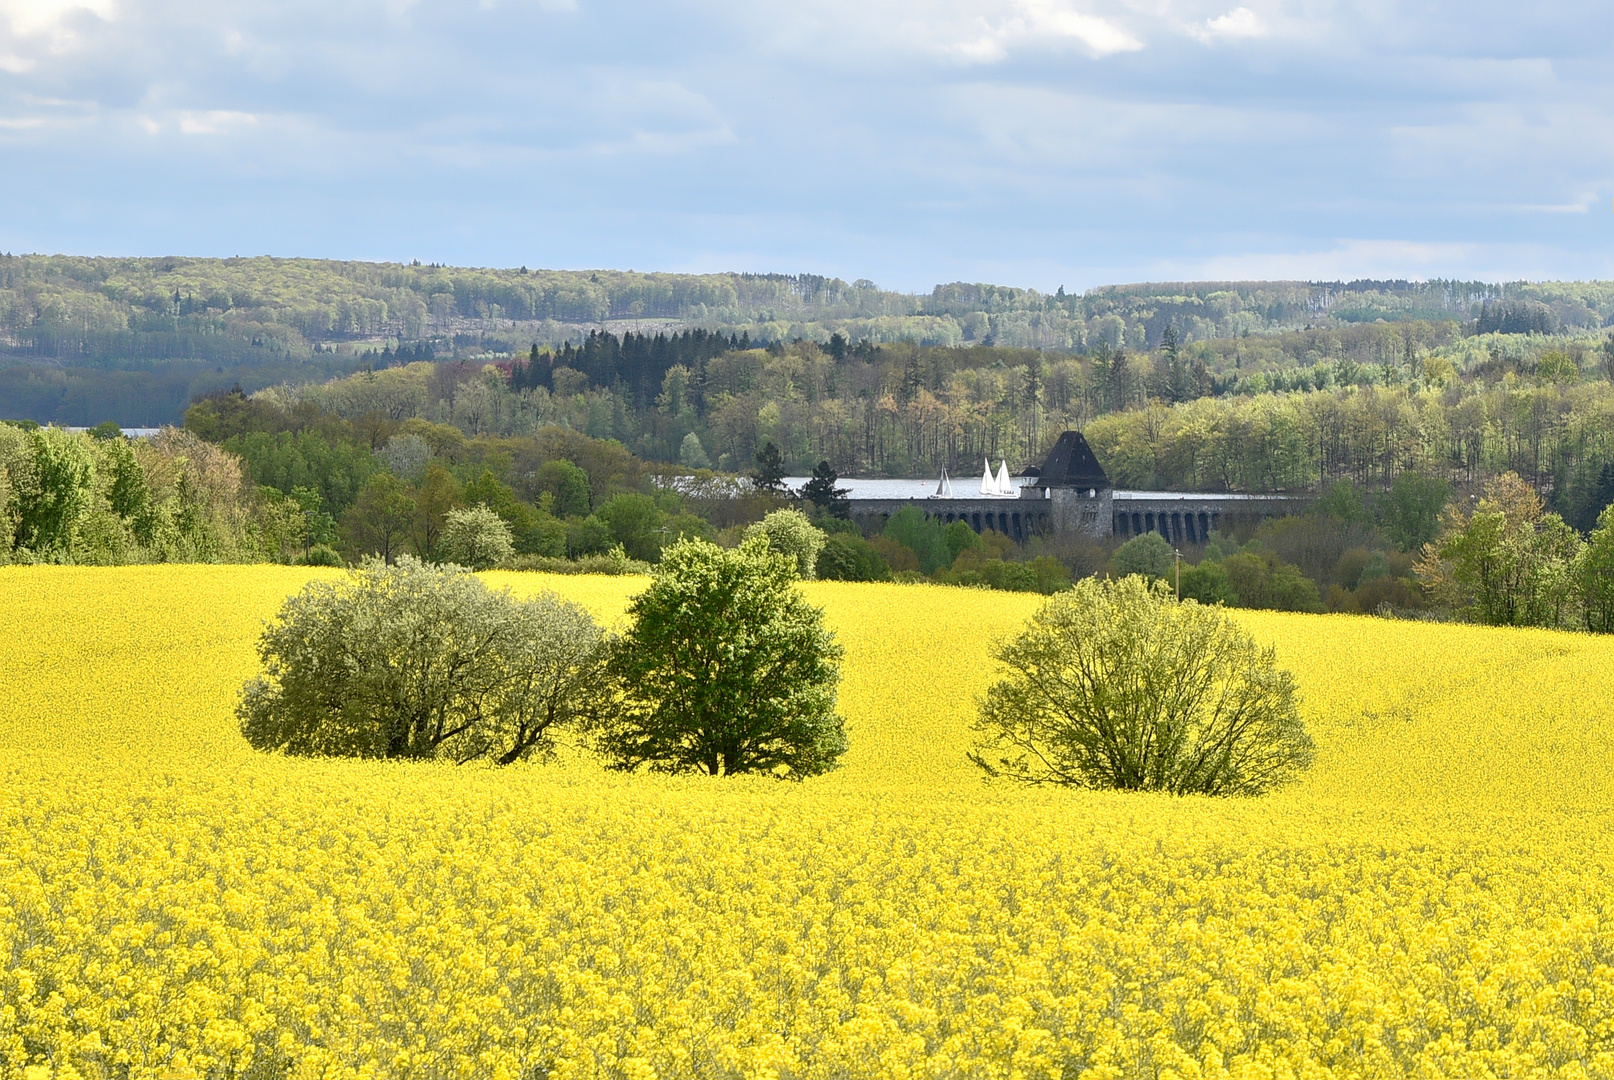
pixel 1435 899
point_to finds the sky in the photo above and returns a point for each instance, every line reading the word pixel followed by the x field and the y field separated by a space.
pixel 1039 143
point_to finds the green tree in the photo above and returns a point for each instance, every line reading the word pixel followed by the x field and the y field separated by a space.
pixel 726 669
pixel 1594 573
pixel 769 474
pixel 127 494
pixel 691 454
pixel 1345 503
pixel 849 557
pixel 1207 583
pixel 921 535
pixel 1508 563
pixel 568 485
pixel 1115 684
pixel 822 492
pixel 1149 554
pixel 379 520
pixel 419 661
pixel 60 485
pixel 790 533
pixel 438 493
pixel 588 536
pixel 1410 510
pixel 961 538
pixel 1262 580
pixel 635 522
pixel 476 537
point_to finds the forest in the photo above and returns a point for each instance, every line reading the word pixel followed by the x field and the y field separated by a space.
pixel 135 340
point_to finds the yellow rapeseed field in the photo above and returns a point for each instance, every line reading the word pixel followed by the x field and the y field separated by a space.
pixel 1435 899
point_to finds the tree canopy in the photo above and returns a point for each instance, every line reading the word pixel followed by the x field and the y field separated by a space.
pixel 424 662
pixel 725 669
pixel 1115 684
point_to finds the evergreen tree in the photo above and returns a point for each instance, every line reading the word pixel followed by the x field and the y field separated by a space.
pixel 769 475
pixel 822 492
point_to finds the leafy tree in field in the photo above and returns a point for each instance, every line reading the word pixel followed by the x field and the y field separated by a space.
pixel 726 669
pixel 128 494
pixel 1410 510
pixel 379 521
pixel 635 522
pixel 52 483
pixel 1150 555
pixel 1207 583
pixel 822 492
pixel 588 536
pixel 476 537
pixel 1115 684
pixel 105 430
pixel 1594 573
pixel 849 557
pixel 769 475
pixel 1508 563
pixel 417 661
pixel 788 532
pixel 1260 580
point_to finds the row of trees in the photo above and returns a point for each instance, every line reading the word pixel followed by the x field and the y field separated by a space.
pixel 1509 562
pixel 69 304
pixel 723 669
pixel 98 498
pixel 900 410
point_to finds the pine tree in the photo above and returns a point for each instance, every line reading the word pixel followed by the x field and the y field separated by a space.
pixel 769 474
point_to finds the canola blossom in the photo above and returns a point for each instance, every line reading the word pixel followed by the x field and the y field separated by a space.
pixel 1432 899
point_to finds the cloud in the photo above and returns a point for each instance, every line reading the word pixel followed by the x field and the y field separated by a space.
pixel 1044 23
pixel 1241 22
pixel 1037 142
pixel 26 18
pixel 214 121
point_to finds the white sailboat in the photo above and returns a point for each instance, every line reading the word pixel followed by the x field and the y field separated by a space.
pixel 1004 484
pixel 944 490
pixel 989 484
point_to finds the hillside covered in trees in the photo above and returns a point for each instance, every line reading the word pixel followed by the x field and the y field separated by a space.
pixel 83 340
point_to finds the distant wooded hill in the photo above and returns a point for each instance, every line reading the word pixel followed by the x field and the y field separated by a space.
pixel 134 340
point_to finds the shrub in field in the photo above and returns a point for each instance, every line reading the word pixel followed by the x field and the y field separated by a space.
pixel 790 533
pixel 1149 555
pixel 726 669
pixel 1116 684
pixel 417 661
pixel 849 557
pixel 476 537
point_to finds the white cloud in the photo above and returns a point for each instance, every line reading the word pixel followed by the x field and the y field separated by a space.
pixel 214 121
pixel 1241 22
pixel 903 140
pixel 1048 23
pixel 31 17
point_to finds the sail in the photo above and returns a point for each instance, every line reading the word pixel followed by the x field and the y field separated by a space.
pixel 989 486
pixel 1004 484
pixel 944 490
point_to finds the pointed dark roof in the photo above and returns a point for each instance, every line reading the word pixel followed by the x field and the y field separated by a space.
pixel 1071 464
